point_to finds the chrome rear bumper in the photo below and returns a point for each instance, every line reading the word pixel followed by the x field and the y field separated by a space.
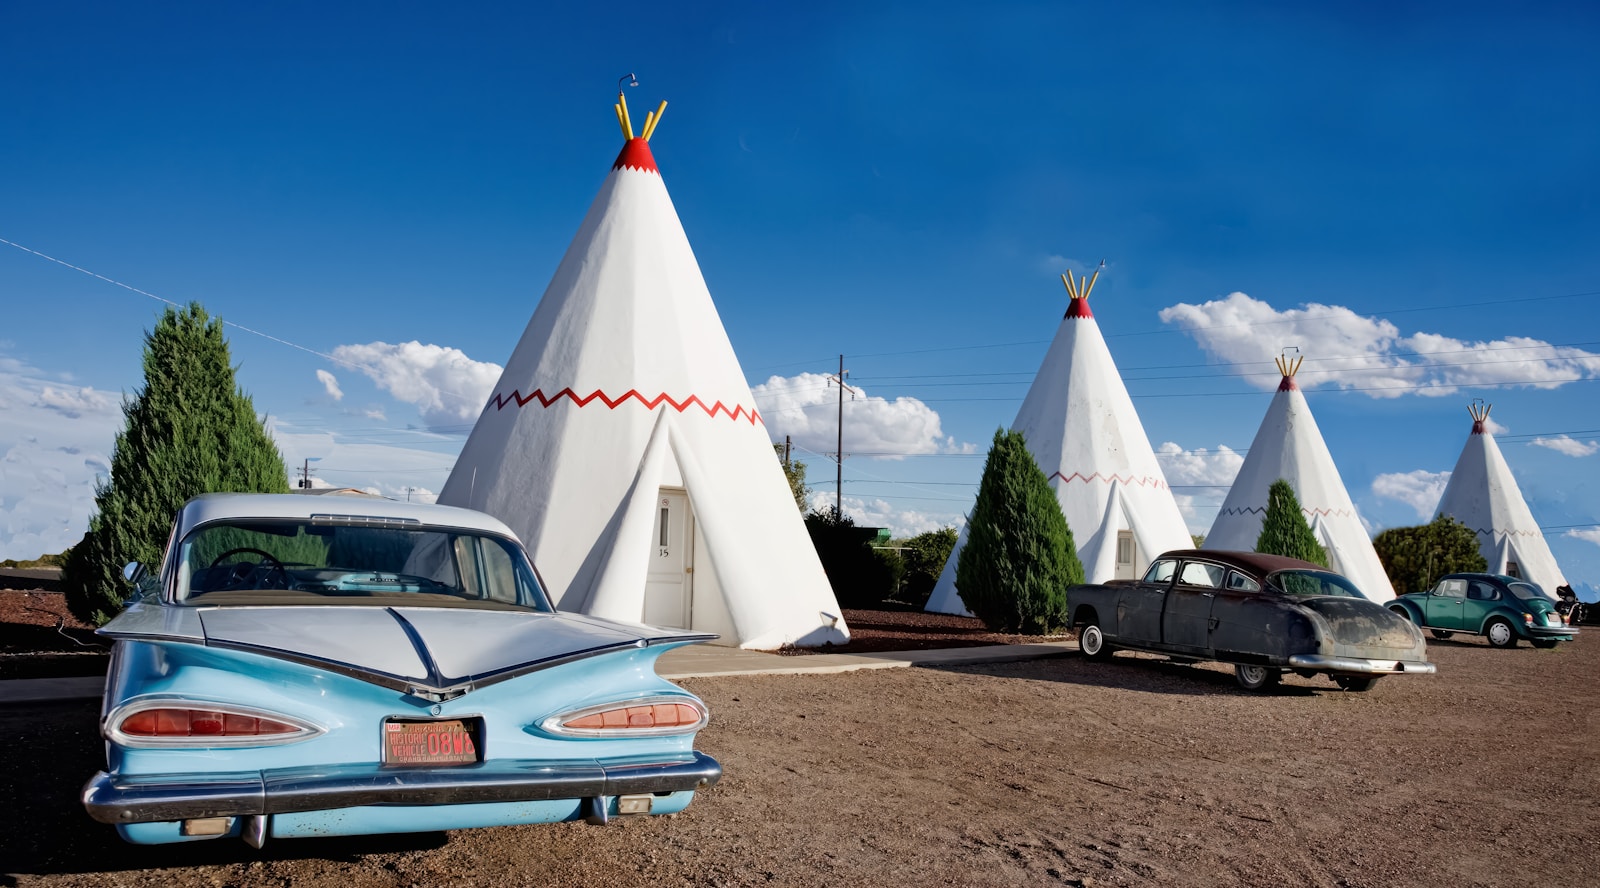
pixel 156 798
pixel 1360 666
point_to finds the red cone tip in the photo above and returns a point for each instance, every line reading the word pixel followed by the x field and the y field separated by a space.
pixel 1287 385
pixel 1079 308
pixel 1477 426
pixel 636 156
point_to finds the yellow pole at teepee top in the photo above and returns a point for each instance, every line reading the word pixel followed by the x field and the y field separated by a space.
pixel 622 116
pixel 653 120
pixel 1072 289
pixel 1090 288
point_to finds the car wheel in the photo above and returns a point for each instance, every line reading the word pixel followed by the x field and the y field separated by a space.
pixel 1093 642
pixel 1543 642
pixel 1357 683
pixel 1500 634
pixel 1441 633
pixel 1256 678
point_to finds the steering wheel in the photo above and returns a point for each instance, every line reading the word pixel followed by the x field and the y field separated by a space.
pixel 244 572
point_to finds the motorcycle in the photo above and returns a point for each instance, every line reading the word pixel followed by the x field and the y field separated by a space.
pixel 1572 611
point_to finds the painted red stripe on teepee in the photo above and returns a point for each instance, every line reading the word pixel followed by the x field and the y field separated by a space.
pixel 1326 513
pixel 1141 480
pixel 636 156
pixel 1079 308
pixel 518 399
pixel 1287 385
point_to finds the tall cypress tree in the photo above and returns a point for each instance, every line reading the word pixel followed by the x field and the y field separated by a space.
pixel 1019 559
pixel 189 431
pixel 1284 530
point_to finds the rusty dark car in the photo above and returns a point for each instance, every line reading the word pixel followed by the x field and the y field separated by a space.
pixel 1266 615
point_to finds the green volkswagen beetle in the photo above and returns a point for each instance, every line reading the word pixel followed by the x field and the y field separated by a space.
pixel 1500 608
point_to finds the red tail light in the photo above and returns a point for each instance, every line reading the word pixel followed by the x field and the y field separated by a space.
pixel 171 723
pixel 632 718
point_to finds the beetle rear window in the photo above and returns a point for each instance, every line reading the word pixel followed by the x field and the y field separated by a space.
pixel 332 562
pixel 1527 591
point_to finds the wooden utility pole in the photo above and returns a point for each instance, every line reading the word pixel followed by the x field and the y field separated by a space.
pixel 838 476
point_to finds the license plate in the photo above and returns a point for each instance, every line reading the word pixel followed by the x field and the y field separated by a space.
pixel 451 741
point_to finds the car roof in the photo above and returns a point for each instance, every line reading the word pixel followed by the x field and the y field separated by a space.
pixel 1256 562
pixel 209 507
pixel 1478 575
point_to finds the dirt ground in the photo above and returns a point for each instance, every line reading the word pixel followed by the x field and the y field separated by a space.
pixel 1061 771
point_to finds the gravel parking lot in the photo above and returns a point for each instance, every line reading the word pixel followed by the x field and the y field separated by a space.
pixel 1062 771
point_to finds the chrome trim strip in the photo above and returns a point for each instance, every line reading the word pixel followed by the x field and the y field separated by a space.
pixel 1364 667
pixel 155 798
pixel 447 688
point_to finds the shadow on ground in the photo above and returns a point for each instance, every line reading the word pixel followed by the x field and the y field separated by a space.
pixel 53 749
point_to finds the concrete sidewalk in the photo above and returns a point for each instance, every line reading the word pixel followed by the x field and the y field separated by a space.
pixel 694 661
pixel 704 660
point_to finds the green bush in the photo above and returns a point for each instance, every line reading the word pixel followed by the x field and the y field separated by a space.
pixel 189 431
pixel 1284 530
pixel 859 576
pixel 1416 557
pixel 1019 559
pixel 924 556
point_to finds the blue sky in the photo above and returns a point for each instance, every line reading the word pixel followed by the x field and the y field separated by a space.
pixel 1409 197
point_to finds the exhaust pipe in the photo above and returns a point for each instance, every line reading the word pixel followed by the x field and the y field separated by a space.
pixel 255 830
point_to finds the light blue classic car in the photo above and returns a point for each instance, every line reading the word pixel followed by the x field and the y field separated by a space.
pixel 328 665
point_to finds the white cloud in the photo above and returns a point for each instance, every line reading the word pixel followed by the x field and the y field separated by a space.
pixel 1588 535
pixel 73 402
pixel 55 439
pixel 1568 445
pixel 1493 427
pixel 448 388
pixel 331 383
pixel 385 469
pixel 1418 489
pixel 1369 354
pixel 1199 480
pixel 806 408
pixel 901 523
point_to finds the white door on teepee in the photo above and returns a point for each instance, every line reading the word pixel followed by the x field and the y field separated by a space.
pixel 668 590
pixel 1126 556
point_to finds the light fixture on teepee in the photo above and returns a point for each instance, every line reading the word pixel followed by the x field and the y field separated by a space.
pixel 1483 494
pixel 622 442
pixel 1082 430
pixel 1289 445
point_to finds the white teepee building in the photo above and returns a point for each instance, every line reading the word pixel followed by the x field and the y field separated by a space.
pixel 1484 496
pixel 1289 446
pixel 623 446
pixel 1081 427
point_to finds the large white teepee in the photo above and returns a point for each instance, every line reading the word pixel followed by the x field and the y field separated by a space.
pixel 1484 496
pixel 1082 429
pixel 623 446
pixel 1289 446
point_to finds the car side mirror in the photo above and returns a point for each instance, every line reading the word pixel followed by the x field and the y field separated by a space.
pixel 143 582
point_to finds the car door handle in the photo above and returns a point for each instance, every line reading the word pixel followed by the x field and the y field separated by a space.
pixel 1209 594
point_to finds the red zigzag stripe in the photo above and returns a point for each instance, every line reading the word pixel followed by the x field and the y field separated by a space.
pixel 500 402
pixel 1343 513
pixel 1145 481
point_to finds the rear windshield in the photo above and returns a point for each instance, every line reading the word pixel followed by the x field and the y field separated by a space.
pixel 1527 591
pixel 316 562
pixel 1314 582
